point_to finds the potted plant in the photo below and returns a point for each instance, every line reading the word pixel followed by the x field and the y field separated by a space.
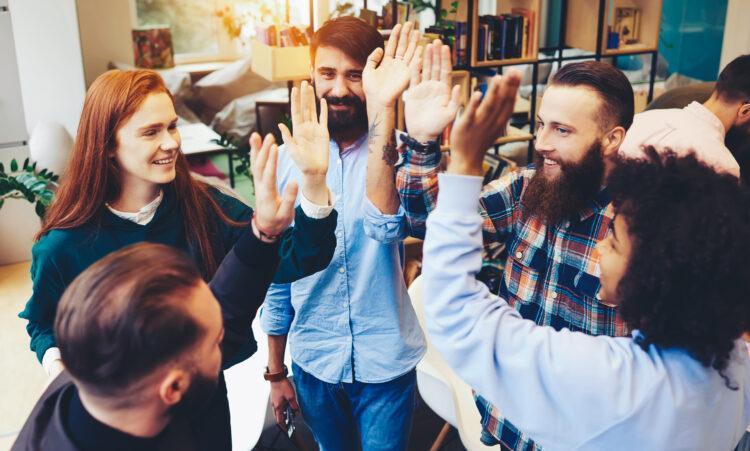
pixel 26 183
pixel 18 224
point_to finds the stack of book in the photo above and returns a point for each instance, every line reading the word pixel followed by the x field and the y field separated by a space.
pixel 282 36
pixel 506 36
pixel 455 35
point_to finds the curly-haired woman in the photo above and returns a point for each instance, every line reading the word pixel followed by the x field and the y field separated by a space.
pixel 676 264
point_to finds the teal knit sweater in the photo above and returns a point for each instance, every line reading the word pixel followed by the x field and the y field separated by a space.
pixel 61 255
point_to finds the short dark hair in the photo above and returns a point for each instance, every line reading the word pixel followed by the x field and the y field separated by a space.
pixel 687 281
pixel 612 86
pixel 353 36
pixel 123 317
pixel 734 81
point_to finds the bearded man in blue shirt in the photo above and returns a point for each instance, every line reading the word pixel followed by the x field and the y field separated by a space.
pixel 354 337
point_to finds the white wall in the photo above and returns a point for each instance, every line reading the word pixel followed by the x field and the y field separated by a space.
pixel 736 36
pixel 50 65
pixel 105 28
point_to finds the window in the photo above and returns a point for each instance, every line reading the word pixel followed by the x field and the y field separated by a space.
pixel 197 30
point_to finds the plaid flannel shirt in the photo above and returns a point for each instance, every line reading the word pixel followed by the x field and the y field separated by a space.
pixel 551 274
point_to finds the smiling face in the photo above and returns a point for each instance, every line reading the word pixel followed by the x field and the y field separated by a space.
pixel 614 256
pixel 148 143
pixel 568 126
pixel 338 79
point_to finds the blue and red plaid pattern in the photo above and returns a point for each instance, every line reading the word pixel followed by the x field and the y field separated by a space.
pixel 551 273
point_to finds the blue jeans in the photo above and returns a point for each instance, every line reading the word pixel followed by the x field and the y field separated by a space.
pixel 377 416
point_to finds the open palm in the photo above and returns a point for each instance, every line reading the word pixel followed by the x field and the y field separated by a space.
pixel 386 74
pixel 430 91
pixel 309 144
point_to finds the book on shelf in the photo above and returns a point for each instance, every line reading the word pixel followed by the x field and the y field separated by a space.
pixel 282 36
pixel 505 36
pixel 529 24
pixel 455 35
pixel 460 48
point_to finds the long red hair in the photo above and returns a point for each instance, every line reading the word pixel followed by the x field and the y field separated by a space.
pixel 93 178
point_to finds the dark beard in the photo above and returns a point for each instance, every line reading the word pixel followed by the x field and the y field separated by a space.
pixel 737 141
pixel 202 389
pixel 346 123
pixel 564 197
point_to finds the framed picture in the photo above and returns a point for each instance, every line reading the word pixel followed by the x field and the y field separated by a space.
pixel 627 25
pixel 152 47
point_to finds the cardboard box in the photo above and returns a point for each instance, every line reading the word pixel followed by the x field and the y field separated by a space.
pixel 281 63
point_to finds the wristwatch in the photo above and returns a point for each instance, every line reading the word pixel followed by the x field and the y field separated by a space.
pixel 276 377
pixel 428 147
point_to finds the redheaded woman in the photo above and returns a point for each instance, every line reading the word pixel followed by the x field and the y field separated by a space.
pixel 127 182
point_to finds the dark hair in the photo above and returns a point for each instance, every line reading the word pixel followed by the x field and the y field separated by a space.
pixel 353 36
pixel 124 316
pixel 734 81
pixel 687 281
pixel 610 83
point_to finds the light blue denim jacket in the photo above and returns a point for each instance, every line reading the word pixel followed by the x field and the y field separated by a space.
pixel 354 320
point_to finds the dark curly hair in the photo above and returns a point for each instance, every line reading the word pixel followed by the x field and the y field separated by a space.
pixel 688 279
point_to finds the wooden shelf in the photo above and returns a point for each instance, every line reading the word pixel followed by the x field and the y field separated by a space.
pixel 581 26
pixel 505 62
pixel 628 49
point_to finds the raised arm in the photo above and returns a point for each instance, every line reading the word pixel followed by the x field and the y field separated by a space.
pixel 429 106
pixel 562 388
pixel 384 79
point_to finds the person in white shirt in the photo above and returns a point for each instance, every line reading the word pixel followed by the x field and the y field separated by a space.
pixel 706 128
pixel 675 264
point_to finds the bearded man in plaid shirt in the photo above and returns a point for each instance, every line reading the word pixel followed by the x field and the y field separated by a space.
pixel 548 216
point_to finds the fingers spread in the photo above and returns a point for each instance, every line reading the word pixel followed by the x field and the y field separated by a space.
pixel 403 39
pixel 427 62
pixel 455 100
pixel 285 214
pixel 324 113
pixel 413 44
pixel 374 59
pixel 304 99
pixel 296 113
pixel 390 47
pixel 446 68
pixel 286 135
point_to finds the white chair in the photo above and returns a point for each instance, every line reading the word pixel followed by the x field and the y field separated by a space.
pixel 442 390
pixel 250 395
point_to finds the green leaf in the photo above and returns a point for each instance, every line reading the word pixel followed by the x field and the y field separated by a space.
pixel 43 172
pixel 2 201
pixel 13 165
pixel 25 164
pixel 2 168
pixel 39 209
pixel 38 187
pixel 443 13
pixel 33 166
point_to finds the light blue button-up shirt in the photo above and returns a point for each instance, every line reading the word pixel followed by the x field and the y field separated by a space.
pixel 354 320
pixel 567 390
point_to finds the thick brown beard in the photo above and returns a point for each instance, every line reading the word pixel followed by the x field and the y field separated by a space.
pixel 575 188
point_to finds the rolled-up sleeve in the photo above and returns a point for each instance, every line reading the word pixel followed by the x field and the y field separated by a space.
pixel 277 313
pixel 382 227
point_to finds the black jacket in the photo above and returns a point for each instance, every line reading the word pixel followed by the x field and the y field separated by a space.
pixel 240 285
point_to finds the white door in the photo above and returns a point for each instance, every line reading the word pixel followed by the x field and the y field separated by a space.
pixel 12 124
